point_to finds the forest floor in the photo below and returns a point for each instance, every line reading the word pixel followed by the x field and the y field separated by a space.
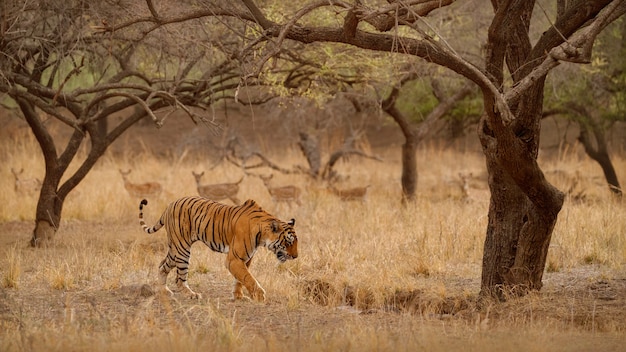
pixel 579 309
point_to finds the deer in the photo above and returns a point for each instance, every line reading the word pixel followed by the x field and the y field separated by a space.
pixel 140 190
pixel 470 193
pixel 218 191
pixel 349 194
pixel 285 194
pixel 25 185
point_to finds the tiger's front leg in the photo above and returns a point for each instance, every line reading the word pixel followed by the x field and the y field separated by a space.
pixel 238 286
pixel 242 275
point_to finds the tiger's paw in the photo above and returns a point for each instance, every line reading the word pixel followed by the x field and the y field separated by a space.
pixel 191 294
pixel 242 298
pixel 259 295
pixel 194 295
pixel 238 295
pixel 165 291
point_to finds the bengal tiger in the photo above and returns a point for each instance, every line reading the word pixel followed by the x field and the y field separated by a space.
pixel 235 230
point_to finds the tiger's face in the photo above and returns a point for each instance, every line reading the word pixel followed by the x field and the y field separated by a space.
pixel 283 242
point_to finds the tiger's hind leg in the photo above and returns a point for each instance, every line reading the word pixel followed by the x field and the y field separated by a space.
pixel 177 256
pixel 182 270
pixel 164 269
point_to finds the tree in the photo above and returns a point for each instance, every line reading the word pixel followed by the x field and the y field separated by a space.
pixel 317 123
pixel 413 135
pixel 62 59
pixel 593 139
pixel 524 206
pixel 594 98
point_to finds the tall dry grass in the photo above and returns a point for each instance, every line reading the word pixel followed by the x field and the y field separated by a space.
pixel 354 256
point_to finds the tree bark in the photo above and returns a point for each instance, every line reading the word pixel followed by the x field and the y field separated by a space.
pixel 524 206
pixel 411 141
pixel 409 170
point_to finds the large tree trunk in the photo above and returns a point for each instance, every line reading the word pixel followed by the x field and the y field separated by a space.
pixel 51 200
pixel 524 206
pixel 48 214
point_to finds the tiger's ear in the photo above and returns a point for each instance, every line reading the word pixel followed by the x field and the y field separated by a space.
pixel 275 226
pixel 292 222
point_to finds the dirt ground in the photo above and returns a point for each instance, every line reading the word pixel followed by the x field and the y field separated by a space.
pixel 587 304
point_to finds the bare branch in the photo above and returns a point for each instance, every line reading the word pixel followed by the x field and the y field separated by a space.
pixel 342 154
pixel 577 49
pixel 153 11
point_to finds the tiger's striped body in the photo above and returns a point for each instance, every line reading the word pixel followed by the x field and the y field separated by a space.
pixel 235 230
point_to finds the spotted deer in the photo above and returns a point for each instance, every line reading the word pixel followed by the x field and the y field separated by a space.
pixel 25 185
pixel 218 191
pixel 473 188
pixel 348 194
pixel 286 194
pixel 140 190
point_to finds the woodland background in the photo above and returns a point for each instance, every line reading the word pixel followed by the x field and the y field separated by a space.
pixel 376 273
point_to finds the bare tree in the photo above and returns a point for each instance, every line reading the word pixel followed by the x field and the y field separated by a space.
pixel 65 60
pixel 593 139
pixel 413 135
pixel 593 98
pixel 241 155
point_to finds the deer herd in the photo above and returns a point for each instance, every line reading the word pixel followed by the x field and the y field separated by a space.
pixel 288 194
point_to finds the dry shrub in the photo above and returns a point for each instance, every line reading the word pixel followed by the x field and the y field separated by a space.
pixel 320 292
pixel 416 301
pixel 424 303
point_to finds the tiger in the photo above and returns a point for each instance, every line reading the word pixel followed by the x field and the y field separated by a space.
pixel 238 231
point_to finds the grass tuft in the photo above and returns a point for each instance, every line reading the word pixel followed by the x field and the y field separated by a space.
pixel 10 278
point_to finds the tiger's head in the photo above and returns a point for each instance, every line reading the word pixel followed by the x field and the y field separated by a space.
pixel 283 240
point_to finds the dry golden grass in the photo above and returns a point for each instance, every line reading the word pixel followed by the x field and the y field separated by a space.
pixel 370 276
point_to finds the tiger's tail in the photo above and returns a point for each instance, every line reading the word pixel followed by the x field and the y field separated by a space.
pixel 142 223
